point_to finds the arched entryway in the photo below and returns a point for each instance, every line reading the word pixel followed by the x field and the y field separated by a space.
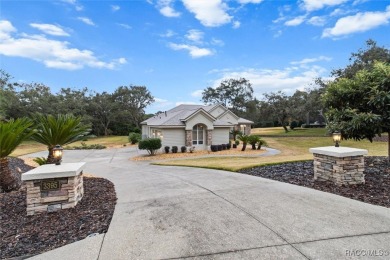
pixel 199 136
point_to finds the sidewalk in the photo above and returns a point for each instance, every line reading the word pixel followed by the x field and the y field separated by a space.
pixel 177 212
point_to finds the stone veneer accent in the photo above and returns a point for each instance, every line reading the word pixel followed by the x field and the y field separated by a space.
pixel 209 137
pixel 340 165
pixel 70 192
pixel 188 138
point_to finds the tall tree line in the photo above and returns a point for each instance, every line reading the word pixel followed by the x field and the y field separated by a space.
pixel 109 113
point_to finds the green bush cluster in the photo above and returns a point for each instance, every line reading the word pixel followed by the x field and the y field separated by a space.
pixel 150 144
pixel 134 137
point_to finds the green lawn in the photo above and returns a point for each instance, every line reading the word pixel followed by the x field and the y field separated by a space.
pixel 109 141
pixel 292 149
pixel 279 131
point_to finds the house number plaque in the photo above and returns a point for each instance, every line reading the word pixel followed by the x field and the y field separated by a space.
pixel 50 185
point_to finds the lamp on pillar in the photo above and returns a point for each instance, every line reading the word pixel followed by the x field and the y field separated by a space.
pixel 336 138
pixel 57 154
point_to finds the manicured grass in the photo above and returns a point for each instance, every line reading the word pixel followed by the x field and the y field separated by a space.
pixel 292 149
pixel 33 147
pixel 279 131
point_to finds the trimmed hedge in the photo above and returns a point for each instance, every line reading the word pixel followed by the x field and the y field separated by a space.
pixel 150 144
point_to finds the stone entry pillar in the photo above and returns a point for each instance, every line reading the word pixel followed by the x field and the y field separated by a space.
pixel 209 137
pixel 53 187
pixel 340 165
pixel 188 138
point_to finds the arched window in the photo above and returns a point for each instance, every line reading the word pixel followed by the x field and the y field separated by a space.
pixel 197 134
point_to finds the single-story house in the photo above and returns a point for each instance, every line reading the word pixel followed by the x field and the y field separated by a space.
pixel 194 125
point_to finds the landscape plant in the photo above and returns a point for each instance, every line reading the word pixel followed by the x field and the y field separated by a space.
pixel 183 149
pixel 150 144
pixel 58 130
pixel 253 140
pixel 166 149
pixel 174 149
pixel 134 137
pixel 12 133
pixel 244 139
pixel 261 143
pixel 234 133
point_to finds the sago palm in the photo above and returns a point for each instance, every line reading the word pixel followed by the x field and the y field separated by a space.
pixel 12 133
pixel 60 129
pixel 244 139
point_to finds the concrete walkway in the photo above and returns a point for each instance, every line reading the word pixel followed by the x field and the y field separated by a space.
pixel 168 212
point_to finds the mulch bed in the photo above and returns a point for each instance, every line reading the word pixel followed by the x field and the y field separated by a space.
pixel 375 191
pixel 22 235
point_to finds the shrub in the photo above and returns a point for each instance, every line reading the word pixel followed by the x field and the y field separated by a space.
pixel 237 142
pixel 260 143
pixel 192 149
pixel 214 148
pixel 223 146
pixel 166 148
pixel 219 147
pixel 253 139
pixel 183 149
pixel 228 146
pixel 150 144
pixel 134 138
pixel 40 160
pixel 85 146
pixel 293 125
pixel 174 149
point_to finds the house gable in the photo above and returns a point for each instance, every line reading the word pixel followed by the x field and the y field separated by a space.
pixel 229 116
pixel 218 110
pixel 199 117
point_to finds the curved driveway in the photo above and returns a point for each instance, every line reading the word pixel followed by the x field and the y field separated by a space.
pixel 168 212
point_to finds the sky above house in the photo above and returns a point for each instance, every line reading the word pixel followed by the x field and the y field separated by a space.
pixel 178 48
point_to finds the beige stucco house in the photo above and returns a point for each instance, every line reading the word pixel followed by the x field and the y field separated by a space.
pixel 194 125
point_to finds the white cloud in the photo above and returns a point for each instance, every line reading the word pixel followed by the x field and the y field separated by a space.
pixel 311 60
pixel 168 34
pixel 312 5
pixel 211 13
pixel 194 51
pixel 270 80
pixel 52 53
pixel 236 24
pixel 126 26
pixel 217 42
pixel 77 6
pixel 166 9
pixel 278 34
pixel 49 29
pixel 86 20
pixel 250 1
pixel 195 35
pixel 115 8
pixel 296 21
pixel 197 93
pixel 317 20
pixel 359 22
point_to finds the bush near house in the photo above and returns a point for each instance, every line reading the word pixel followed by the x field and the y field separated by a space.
pixel 134 137
pixel 150 144
pixel 183 149
pixel 166 149
pixel 174 149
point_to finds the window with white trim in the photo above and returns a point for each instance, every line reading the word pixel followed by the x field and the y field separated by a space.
pixel 197 134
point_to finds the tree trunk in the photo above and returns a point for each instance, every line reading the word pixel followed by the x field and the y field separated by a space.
pixel 253 146
pixel 258 146
pixel 243 146
pixel 284 127
pixel 8 180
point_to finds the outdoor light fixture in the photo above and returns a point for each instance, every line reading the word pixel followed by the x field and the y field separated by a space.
pixel 337 138
pixel 57 154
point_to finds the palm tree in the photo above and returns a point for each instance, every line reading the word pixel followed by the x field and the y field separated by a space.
pixel 234 133
pixel 61 130
pixel 12 133
pixel 260 143
pixel 253 139
pixel 244 139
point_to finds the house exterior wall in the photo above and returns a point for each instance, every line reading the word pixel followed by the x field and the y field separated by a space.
pixel 220 135
pixel 174 137
pixel 145 131
pixel 199 119
pixel 218 111
pixel 229 117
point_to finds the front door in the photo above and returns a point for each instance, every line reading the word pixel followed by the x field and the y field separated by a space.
pixel 199 137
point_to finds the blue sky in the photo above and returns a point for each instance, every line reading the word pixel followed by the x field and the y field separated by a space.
pixel 178 48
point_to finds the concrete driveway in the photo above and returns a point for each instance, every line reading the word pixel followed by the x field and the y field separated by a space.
pixel 177 212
